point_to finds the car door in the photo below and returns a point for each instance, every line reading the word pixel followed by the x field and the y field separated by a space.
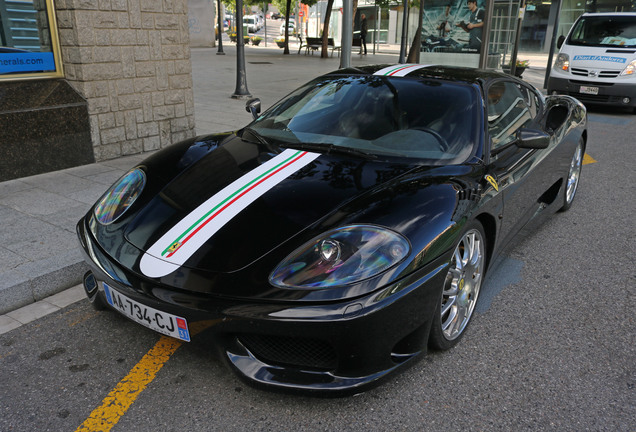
pixel 510 107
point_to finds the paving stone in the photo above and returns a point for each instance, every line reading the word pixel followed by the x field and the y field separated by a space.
pixel 7 324
pixel 8 214
pixel 67 219
pixel 32 312
pixel 36 201
pixel 88 170
pixel 24 229
pixel 44 247
pixel 9 260
pixel 58 182
pixel 107 178
pixel 67 297
pixel 13 186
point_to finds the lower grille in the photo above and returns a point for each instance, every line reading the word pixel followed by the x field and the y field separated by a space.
pixel 283 350
pixel 591 98
pixel 601 74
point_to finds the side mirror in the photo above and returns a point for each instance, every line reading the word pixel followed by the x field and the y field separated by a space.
pixel 253 106
pixel 532 139
pixel 560 41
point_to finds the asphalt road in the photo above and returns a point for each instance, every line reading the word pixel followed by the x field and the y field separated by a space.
pixel 551 347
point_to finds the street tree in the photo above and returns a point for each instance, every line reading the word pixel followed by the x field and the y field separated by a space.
pixel 325 31
pixel 416 46
pixel 284 7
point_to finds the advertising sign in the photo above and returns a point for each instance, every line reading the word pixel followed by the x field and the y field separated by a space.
pixel 28 40
pixel 452 29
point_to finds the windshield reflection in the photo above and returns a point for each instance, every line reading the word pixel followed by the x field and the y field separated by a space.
pixel 416 118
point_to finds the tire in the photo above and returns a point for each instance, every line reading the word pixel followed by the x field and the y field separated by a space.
pixel 461 289
pixel 574 173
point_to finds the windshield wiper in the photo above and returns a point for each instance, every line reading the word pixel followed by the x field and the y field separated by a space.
pixel 258 136
pixel 329 149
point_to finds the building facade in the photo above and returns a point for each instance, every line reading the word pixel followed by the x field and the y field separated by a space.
pixel 91 80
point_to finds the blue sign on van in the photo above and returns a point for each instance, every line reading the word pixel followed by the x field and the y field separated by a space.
pixel 600 58
pixel 24 62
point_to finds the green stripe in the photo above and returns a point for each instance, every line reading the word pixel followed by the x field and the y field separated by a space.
pixel 394 69
pixel 226 200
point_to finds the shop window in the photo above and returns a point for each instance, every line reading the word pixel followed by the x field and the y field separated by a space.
pixel 29 45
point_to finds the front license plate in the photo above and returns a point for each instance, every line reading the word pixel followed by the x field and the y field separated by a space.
pixel 588 90
pixel 159 321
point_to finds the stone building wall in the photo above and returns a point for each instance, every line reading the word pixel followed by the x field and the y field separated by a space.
pixel 131 60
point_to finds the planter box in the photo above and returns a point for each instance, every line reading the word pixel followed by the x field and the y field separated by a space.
pixel 519 70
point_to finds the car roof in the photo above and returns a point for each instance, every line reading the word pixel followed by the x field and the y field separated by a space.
pixel 449 73
pixel 588 14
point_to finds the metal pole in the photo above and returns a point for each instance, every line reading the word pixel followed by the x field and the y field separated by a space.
pixel 377 27
pixel 552 44
pixel 220 51
pixel 515 48
pixel 265 20
pixel 405 24
pixel 347 34
pixel 485 35
pixel 241 91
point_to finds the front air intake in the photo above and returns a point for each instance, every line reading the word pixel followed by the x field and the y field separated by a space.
pixel 291 351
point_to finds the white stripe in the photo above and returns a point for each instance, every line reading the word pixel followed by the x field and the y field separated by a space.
pixel 408 68
pixel 154 265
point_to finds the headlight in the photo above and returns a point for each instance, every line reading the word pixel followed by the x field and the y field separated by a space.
pixel 562 62
pixel 343 256
pixel 120 196
pixel 629 69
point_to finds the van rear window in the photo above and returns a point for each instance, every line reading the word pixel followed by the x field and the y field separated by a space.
pixel 611 31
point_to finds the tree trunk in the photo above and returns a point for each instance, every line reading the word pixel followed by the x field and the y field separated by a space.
pixel 353 17
pixel 416 47
pixel 286 50
pixel 325 31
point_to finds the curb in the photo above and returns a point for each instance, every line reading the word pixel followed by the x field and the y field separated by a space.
pixel 18 290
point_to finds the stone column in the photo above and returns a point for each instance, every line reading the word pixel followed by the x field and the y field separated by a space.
pixel 130 59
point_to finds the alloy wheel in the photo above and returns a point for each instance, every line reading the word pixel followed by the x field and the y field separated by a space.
pixel 463 283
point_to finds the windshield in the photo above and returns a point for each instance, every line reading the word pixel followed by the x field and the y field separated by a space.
pixel 426 119
pixel 612 31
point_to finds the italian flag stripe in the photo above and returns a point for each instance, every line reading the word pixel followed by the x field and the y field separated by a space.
pixel 181 241
pixel 206 218
pixel 399 70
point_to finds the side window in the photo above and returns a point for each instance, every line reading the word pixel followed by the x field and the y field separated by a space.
pixel 532 99
pixel 508 111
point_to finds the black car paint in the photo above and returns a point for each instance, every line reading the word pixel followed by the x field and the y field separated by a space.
pixel 428 205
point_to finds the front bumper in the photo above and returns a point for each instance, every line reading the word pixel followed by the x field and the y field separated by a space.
pixel 330 347
pixel 609 94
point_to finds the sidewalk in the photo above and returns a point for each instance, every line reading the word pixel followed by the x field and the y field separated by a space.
pixel 39 253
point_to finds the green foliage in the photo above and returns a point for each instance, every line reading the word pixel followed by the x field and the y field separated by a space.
pixel 384 4
pixel 281 5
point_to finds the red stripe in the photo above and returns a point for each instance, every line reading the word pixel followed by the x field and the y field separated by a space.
pixel 233 201
pixel 401 69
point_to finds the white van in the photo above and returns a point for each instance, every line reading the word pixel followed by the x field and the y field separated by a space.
pixel 597 61
pixel 251 23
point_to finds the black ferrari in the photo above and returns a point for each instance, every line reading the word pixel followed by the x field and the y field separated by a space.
pixel 345 230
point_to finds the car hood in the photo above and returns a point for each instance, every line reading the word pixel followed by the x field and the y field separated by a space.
pixel 240 201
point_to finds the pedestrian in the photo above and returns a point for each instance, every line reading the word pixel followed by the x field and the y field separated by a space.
pixel 444 22
pixel 364 28
pixel 474 26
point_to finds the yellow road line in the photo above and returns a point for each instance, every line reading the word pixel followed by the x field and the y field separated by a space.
pixel 587 159
pixel 115 405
